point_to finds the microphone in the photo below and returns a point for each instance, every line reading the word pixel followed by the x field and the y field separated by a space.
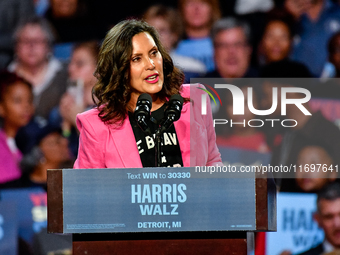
pixel 142 112
pixel 173 111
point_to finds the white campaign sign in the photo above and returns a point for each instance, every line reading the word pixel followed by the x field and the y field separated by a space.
pixel 296 229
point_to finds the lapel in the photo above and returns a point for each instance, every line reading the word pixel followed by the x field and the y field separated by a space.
pixel 182 127
pixel 125 142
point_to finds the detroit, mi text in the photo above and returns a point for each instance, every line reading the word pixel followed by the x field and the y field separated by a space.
pixel 159 224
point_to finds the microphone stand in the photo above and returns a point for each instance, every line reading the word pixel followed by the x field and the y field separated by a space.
pixel 158 147
pixel 172 113
pixel 161 129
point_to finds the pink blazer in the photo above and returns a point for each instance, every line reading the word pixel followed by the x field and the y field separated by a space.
pixel 109 146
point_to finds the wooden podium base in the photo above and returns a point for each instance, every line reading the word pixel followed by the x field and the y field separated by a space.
pixel 186 243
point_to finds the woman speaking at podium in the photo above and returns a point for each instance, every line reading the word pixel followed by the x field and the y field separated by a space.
pixel 131 62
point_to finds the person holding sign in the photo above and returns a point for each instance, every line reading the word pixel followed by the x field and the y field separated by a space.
pixel 328 218
pixel 133 62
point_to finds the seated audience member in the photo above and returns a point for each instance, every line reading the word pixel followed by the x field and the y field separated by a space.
pixel 35 62
pixel 169 26
pixel 16 110
pixel 279 69
pixel 314 127
pixel 72 20
pixel 317 21
pixel 50 152
pixel 198 17
pixel 232 51
pixel 330 83
pixel 241 136
pixel 328 219
pixel 277 39
pixel 312 156
pixel 334 53
pixel 78 98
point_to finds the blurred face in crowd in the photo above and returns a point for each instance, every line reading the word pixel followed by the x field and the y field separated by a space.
pixel 82 66
pixel 328 218
pixel 268 87
pixel 267 97
pixel 334 57
pixel 32 46
pixel 197 13
pixel 312 181
pixel 248 115
pixel 64 8
pixel 167 37
pixel 146 66
pixel 55 148
pixel 232 53
pixel 16 105
pixel 276 41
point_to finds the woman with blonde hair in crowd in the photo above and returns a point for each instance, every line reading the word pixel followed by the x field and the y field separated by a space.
pixel 170 28
pixel 198 17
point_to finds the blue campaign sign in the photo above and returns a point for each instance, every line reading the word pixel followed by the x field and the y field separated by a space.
pixel 31 207
pixel 155 199
pixel 8 228
pixel 296 229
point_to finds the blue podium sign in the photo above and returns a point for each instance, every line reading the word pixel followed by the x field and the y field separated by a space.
pixel 155 200
pixel 31 210
pixel 8 228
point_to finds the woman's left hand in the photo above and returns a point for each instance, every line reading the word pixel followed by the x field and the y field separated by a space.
pixel 69 109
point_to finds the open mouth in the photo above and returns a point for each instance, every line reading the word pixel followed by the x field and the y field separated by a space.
pixel 152 78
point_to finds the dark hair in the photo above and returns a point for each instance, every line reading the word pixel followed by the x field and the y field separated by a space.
pixel 329 192
pixel 320 144
pixel 112 88
pixel 331 43
pixel 285 69
pixel 280 15
pixel 7 79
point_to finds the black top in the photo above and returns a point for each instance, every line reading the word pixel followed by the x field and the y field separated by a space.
pixel 23 182
pixel 170 151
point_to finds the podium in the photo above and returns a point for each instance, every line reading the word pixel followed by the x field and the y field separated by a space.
pixel 159 210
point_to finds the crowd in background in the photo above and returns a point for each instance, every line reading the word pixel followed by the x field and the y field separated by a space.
pixel 48 54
